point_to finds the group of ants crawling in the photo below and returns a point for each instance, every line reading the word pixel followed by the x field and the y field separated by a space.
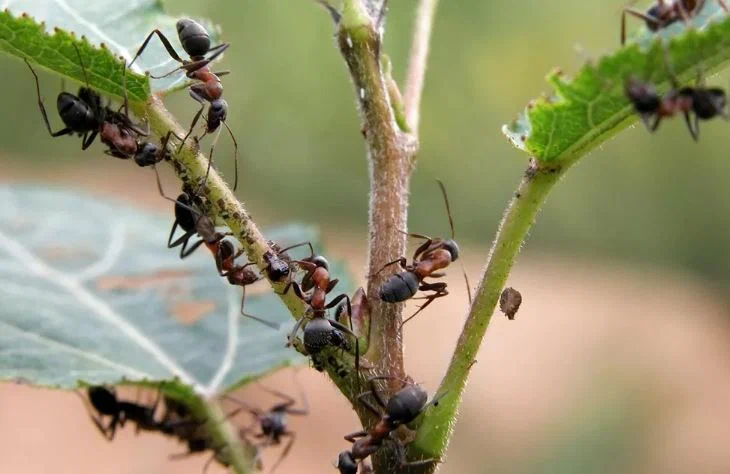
pixel 85 115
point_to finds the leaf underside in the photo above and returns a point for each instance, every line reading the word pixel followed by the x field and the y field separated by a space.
pixel 592 107
pixel 90 295
pixel 44 31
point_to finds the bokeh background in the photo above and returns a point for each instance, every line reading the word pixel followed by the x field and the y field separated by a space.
pixel 619 360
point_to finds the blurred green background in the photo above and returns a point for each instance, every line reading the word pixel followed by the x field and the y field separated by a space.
pixel 660 199
pixel 644 200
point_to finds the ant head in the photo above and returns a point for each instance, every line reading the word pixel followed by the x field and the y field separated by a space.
pixel 406 404
pixel 708 103
pixel 278 268
pixel 452 247
pixel 346 464
pixel 320 261
pixel 147 155
pixel 194 38
pixel 218 110
pixel 643 95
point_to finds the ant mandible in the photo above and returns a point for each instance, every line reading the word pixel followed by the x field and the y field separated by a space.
pixel 401 409
pixel 704 102
pixel 195 41
pixel 432 255
pixel 664 13
pixel 273 422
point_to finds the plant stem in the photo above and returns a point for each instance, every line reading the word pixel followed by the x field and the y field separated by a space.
pixel 435 429
pixel 224 434
pixel 389 152
pixel 415 77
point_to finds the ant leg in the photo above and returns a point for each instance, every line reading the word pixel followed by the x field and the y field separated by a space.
pixel 402 261
pixel 723 5
pixel 207 463
pixel 235 154
pixel 210 160
pixel 358 434
pixel 273 326
pixel 63 131
pixel 165 42
pixel 694 131
pixel 192 66
pixel 98 422
pixel 336 17
pixel 381 15
pixel 185 252
pixel 424 246
pixel 402 459
pixel 290 337
pixel 368 405
pixel 88 141
pixel 440 291
pixel 287 448
pixel 653 127
pixel 201 100
pixel 638 14
pixel 300 244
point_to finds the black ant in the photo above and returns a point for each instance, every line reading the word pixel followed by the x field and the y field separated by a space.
pixel 664 13
pixel 704 102
pixel 273 422
pixel 192 222
pixel 195 41
pixel 85 115
pixel 432 255
pixel 319 331
pixel 401 409
pixel 106 403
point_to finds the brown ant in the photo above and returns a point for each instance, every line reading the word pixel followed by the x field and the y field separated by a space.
pixel 432 255
pixel 319 331
pixel 401 409
pixel 273 422
pixel 704 102
pixel 84 114
pixel 664 13
pixel 195 41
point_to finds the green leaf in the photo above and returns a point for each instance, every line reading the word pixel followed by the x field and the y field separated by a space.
pixel 104 31
pixel 91 295
pixel 592 107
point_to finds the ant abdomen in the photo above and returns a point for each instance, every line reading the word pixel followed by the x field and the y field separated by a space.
pixel 319 333
pixel 194 38
pixel 643 95
pixel 406 405
pixel 75 114
pixel 708 103
pixel 399 287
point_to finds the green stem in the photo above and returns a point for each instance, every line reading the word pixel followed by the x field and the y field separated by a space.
pixel 436 426
pixel 224 434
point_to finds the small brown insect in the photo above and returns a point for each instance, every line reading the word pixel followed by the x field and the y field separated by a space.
pixel 509 302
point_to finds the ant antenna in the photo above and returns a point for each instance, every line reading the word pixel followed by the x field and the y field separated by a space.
pixel 448 208
pixel 468 285
pixel 81 63
pixel 336 17
pixel 273 326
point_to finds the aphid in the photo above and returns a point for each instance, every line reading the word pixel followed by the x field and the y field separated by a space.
pixel 664 13
pixel 195 41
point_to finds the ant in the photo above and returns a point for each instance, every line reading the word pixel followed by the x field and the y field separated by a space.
pixel 664 13
pixel 106 403
pixel 85 115
pixel 195 41
pixel 320 332
pixel 704 102
pixel 401 409
pixel 144 153
pixel 273 422
pixel 432 255
pixel 192 222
